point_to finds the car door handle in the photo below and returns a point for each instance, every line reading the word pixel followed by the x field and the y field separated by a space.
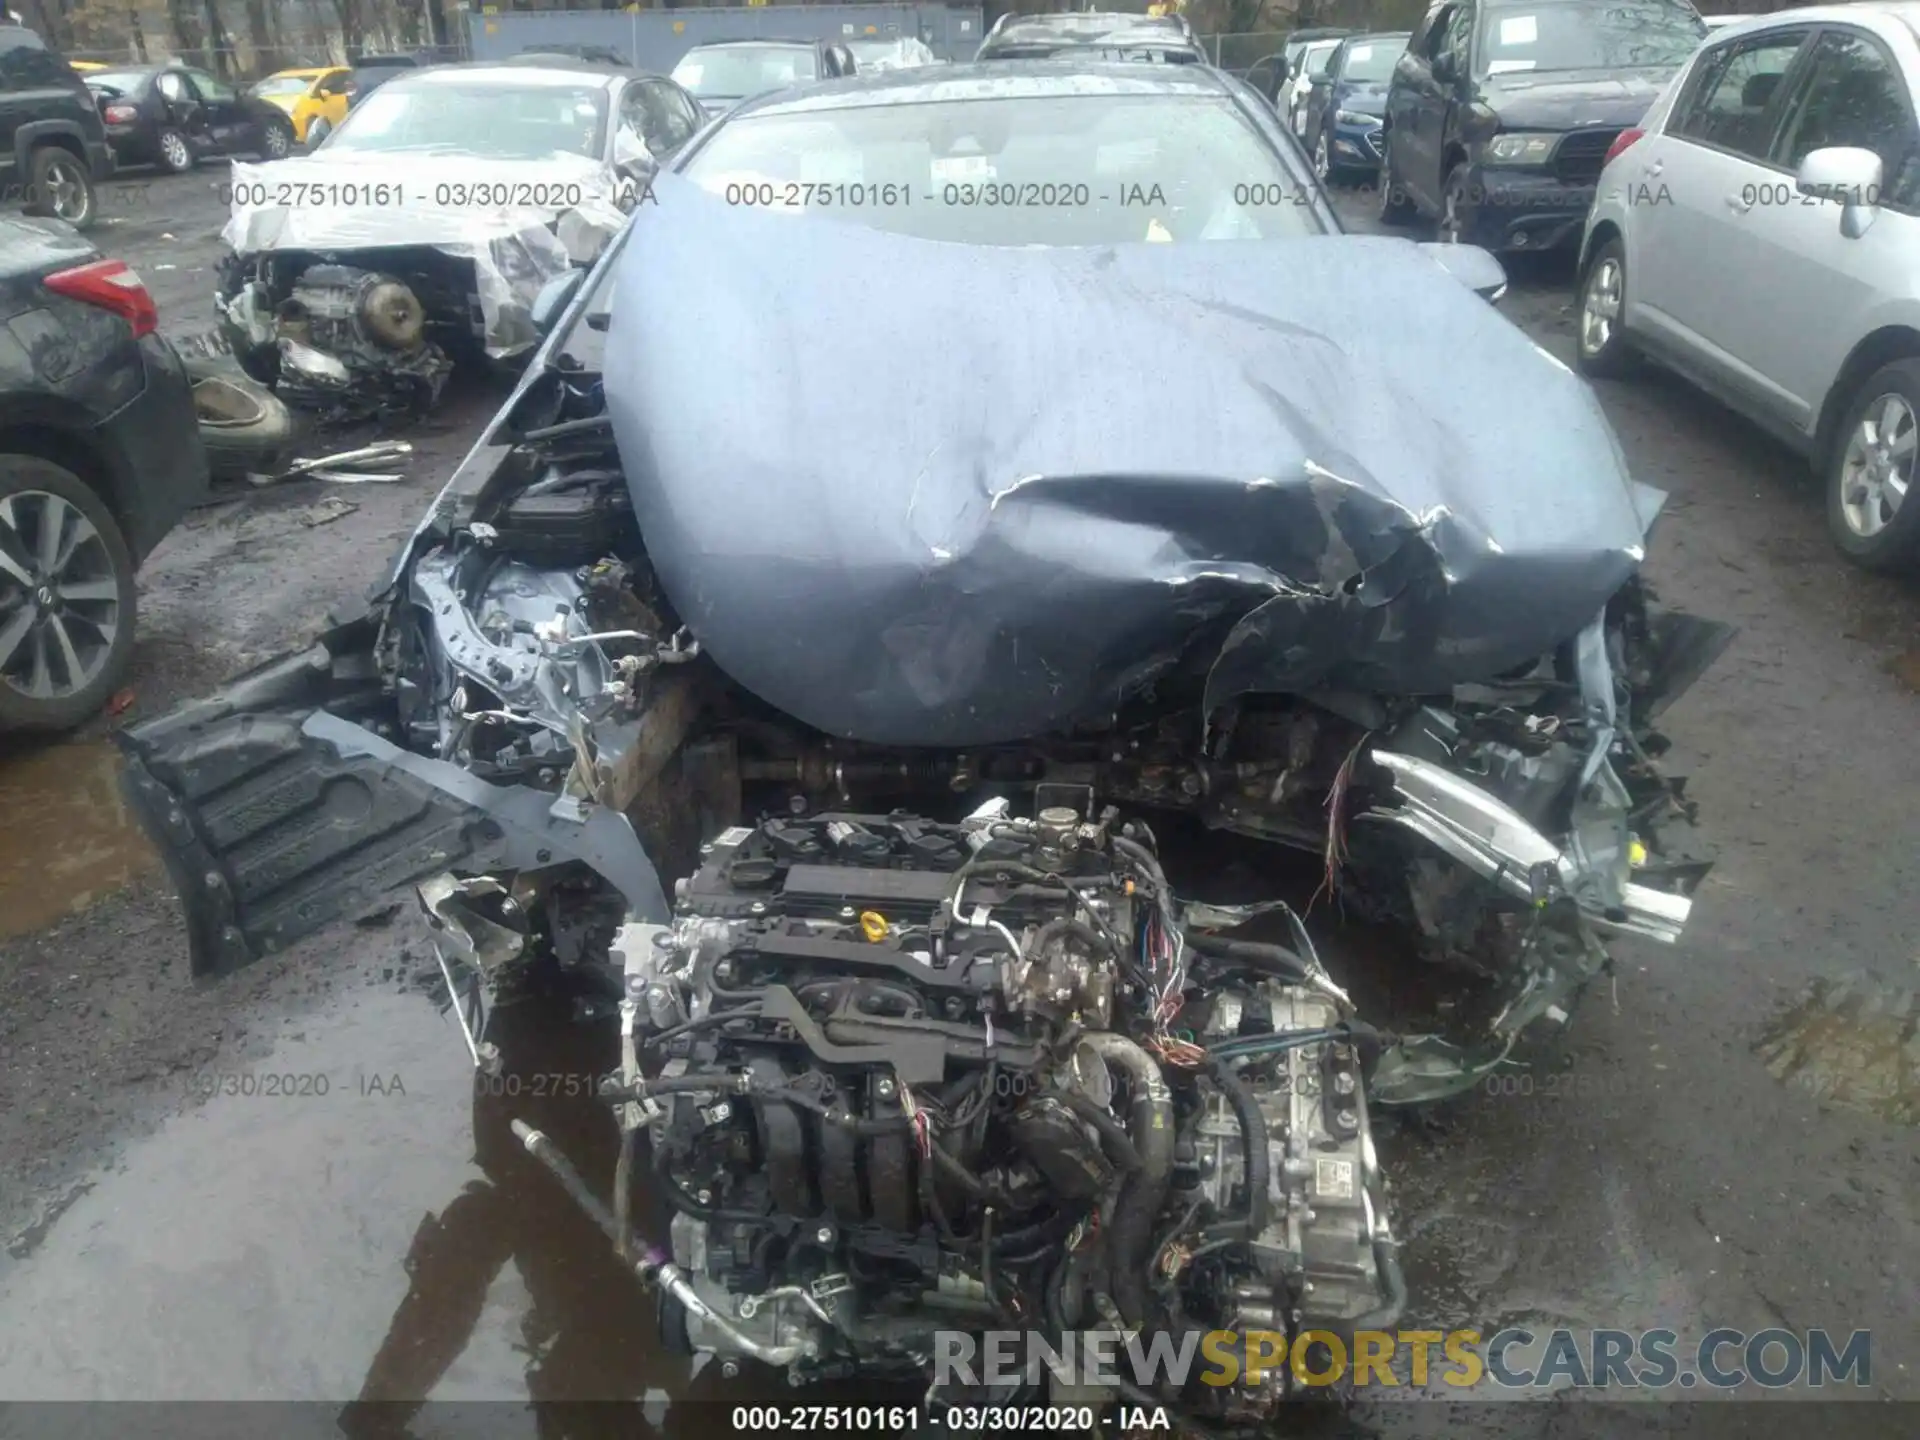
pixel 1738 204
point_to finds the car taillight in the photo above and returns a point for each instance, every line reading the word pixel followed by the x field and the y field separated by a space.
pixel 1620 144
pixel 120 114
pixel 111 285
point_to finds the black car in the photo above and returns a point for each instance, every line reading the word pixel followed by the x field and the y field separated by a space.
pixel 174 117
pixel 1500 114
pixel 100 456
pixel 722 74
pixel 1092 35
pixel 1345 105
pixel 53 145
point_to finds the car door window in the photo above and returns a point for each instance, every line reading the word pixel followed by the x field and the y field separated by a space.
pixel 172 86
pixel 683 104
pixel 330 85
pixel 1456 39
pixel 670 124
pixel 212 90
pixel 26 64
pixel 1853 95
pixel 1735 100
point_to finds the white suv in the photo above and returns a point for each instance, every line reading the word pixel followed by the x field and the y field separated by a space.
pixel 1760 234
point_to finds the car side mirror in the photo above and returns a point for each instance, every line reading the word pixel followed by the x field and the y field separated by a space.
pixel 554 297
pixel 1479 270
pixel 1848 174
pixel 1320 78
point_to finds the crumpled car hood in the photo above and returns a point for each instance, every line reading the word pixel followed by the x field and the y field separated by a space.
pixel 318 218
pixel 919 493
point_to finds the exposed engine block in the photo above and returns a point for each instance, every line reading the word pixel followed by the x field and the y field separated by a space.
pixel 920 1077
pixel 355 340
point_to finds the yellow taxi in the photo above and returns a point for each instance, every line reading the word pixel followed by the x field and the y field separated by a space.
pixel 87 66
pixel 307 95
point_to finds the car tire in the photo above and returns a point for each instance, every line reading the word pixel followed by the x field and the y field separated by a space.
pixel 1600 345
pixel 1872 511
pixel 276 140
pixel 1395 207
pixel 92 600
pixel 59 185
pixel 1456 214
pixel 176 155
pixel 1323 166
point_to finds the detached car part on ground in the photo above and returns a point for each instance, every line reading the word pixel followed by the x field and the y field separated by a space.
pixel 358 275
pixel 925 1038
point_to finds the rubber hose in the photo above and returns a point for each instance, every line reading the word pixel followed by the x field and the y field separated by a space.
pixel 1255 954
pixel 1130 1238
pixel 1118 1145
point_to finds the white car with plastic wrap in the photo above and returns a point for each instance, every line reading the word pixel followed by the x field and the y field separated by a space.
pixel 426 225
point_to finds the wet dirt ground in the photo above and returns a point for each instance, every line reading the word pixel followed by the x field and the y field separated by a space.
pixel 293 1168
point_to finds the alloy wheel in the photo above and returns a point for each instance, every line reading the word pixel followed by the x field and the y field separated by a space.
pixel 1600 307
pixel 66 190
pixel 1322 161
pixel 173 149
pixel 1877 470
pixel 59 599
pixel 275 143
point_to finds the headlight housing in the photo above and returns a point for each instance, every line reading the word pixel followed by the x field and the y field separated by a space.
pixel 1354 117
pixel 1522 148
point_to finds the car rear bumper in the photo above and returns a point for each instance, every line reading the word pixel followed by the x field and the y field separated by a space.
pixel 152 444
pixel 1512 210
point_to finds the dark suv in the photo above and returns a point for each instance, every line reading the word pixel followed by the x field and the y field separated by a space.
pixel 53 145
pixel 1501 112
pixel 100 456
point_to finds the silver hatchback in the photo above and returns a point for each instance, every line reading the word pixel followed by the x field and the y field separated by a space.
pixel 1758 233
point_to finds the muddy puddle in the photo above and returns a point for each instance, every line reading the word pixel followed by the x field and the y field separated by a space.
pixel 1851 1042
pixel 67 840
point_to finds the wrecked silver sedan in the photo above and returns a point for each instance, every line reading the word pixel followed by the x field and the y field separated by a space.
pixel 425 227
pixel 844 758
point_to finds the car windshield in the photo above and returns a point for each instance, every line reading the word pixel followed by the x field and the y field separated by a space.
pixel 115 82
pixel 1372 60
pixel 890 54
pixel 1589 37
pixel 742 70
pixel 505 122
pixel 1053 170
pixel 284 85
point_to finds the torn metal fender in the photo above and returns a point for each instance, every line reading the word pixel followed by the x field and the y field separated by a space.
pixel 1498 844
pixel 275 825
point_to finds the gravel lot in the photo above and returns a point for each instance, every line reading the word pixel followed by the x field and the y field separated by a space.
pixel 1725 1147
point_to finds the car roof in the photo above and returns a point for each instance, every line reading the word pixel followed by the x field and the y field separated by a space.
pixel 772 41
pixel 559 76
pixel 993 80
pixel 557 60
pixel 1879 15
